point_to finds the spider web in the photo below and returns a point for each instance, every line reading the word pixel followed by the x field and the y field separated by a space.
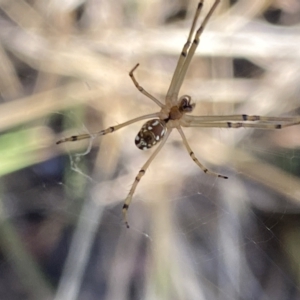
pixel 234 225
pixel 192 236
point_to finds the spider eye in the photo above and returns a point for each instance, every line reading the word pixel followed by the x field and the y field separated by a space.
pixel 150 134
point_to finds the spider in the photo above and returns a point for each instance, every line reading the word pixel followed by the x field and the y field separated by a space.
pixel 174 113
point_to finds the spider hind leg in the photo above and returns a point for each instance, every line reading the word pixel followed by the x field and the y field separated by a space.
pixel 140 175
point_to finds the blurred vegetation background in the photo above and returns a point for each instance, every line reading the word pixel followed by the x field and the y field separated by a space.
pixel 64 71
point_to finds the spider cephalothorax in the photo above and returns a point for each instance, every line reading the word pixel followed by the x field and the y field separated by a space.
pixel 184 106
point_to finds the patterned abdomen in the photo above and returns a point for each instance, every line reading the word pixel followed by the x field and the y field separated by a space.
pixel 150 134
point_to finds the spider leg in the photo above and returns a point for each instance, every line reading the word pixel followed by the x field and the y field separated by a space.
pixel 140 175
pixel 184 51
pixel 268 126
pixel 193 157
pixel 111 129
pixel 191 120
pixel 173 92
pixel 141 89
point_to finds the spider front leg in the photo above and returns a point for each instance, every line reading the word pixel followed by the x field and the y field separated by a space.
pixel 141 89
pixel 188 52
pixel 192 155
pixel 185 49
pixel 140 175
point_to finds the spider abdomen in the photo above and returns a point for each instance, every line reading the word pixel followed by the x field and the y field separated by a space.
pixel 150 134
